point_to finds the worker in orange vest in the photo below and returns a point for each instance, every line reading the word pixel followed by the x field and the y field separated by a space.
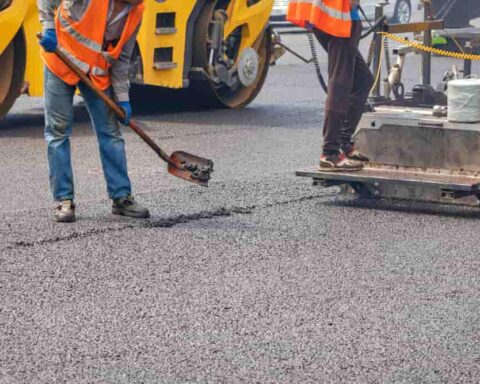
pixel 99 37
pixel 337 26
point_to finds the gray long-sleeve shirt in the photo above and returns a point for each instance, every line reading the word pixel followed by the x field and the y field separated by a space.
pixel 115 25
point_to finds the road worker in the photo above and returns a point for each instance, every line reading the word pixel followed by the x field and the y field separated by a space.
pixel 99 37
pixel 337 26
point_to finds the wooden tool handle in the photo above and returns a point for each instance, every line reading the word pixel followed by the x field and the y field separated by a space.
pixel 86 80
pixel 114 107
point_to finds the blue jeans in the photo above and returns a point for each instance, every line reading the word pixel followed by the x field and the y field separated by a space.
pixel 58 129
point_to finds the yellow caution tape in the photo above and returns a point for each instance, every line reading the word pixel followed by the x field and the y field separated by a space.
pixel 422 47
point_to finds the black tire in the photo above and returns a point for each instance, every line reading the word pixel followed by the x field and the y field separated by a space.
pixel 201 93
pixel 211 95
pixel 401 8
pixel 13 62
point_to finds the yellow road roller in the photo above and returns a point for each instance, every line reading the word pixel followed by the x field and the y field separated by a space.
pixel 217 50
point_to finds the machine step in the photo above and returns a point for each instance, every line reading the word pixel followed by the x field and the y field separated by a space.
pixel 390 183
pixel 165 65
pixel 166 23
pixel 166 31
pixel 372 175
pixel 163 58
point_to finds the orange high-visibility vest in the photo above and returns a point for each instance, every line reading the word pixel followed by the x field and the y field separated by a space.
pixel 82 42
pixel 331 16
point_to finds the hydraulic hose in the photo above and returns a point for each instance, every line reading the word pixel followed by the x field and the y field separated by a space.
pixel 316 62
pixel 313 48
pixel 388 61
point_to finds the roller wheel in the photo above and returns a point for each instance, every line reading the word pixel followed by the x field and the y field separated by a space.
pixel 213 95
pixel 12 64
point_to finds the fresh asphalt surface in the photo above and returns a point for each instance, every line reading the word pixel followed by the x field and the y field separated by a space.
pixel 260 278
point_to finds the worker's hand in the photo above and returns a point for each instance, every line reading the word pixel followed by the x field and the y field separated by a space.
pixel 354 3
pixel 49 40
pixel 127 109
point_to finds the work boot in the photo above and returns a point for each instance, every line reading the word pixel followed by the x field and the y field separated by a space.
pixel 127 206
pixel 65 212
pixel 352 154
pixel 338 162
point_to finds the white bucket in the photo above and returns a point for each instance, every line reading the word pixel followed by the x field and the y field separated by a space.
pixel 464 101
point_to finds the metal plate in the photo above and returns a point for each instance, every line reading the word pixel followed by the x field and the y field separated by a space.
pixel 248 67
pixel 415 138
pixel 461 33
pixel 373 175
pixel 416 27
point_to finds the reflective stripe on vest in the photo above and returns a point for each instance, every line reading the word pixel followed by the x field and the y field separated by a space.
pixel 332 12
pixel 330 16
pixel 84 67
pixel 90 44
pixel 108 57
pixel 96 71
pixel 82 42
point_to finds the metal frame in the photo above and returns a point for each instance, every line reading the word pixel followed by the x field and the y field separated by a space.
pixel 426 26
pixel 367 176
pixel 407 168
pixel 367 183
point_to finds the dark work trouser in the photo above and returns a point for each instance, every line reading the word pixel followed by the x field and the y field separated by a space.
pixel 349 84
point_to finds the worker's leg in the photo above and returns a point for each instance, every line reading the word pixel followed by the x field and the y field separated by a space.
pixel 111 144
pixel 341 66
pixel 362 83
pixel 58 128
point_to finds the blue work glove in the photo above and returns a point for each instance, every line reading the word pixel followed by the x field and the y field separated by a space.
pixel 127 109
pixel 49 40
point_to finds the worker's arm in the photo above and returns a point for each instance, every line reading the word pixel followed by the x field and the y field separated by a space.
pixel 76 9
pixel 120 69
pixel 47 17
pixel 47 12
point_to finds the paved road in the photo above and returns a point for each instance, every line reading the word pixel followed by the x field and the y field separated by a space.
pixel 260 278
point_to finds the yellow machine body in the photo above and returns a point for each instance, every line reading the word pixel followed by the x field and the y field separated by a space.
pixel 164 41
pixel 252 18
pixel 22 17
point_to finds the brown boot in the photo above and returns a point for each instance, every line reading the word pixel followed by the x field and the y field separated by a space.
pixel 65 212
pixel 127 206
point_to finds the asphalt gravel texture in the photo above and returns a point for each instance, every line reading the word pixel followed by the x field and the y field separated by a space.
pixel 260 278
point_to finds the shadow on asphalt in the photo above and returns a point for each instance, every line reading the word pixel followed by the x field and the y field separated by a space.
pixel 254 116
pixel 18 124
pixel 411 207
